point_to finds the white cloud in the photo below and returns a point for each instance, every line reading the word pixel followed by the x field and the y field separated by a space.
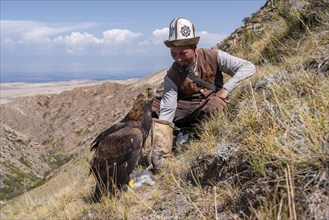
pixel 32 37
pixel 209 39
pixel 154 43
pixel 41 37
pixel 119 41
pixel 72 48
pixel 26 30
pixel 159 35
pixel 116 36
pixel 76 43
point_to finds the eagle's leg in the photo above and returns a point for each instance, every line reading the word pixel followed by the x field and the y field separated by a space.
pixel 98 192
pixel 103 183
pixel 112 180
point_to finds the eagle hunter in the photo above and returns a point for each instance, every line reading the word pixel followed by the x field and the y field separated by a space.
pixel 117 149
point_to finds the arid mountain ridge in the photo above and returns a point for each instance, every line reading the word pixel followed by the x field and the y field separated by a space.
pixel 40 133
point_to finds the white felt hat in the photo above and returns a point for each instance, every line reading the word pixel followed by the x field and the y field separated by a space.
pixel 181 33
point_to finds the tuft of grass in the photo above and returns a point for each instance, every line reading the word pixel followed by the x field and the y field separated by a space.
pixel 25 162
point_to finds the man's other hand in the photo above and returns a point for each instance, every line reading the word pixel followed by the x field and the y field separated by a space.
pixel 224 95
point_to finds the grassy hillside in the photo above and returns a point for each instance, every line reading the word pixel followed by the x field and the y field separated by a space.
pixel 267 158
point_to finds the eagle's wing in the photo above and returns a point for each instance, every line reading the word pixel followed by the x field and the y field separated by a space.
pixel 117 155
pixel 119 146
pixel 114 128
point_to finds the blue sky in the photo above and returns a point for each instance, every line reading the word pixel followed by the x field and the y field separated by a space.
pixel 65 40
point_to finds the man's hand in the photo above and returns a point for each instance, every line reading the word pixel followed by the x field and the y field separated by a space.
pixel 223 94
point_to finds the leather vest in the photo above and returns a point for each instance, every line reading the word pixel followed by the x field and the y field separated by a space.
pixel 207 69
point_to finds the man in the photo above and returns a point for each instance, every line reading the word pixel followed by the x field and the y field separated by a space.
pixel 193 87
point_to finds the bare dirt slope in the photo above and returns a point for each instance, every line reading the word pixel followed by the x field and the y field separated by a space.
pixel 53 121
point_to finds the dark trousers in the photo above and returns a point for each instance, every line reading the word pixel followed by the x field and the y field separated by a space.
pixel 190 112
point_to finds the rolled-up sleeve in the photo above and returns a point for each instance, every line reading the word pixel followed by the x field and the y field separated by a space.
pixel 169 100
pixel 239 69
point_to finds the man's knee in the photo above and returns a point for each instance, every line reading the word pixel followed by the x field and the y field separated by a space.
pixel 214 105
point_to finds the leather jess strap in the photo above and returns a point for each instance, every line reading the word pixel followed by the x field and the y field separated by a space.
pixel 202 82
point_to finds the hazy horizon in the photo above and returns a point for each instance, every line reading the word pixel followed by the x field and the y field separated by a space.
pixel 57 77
pixel 62 40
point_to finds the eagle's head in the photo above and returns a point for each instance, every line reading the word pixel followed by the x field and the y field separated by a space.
pixel 142 106
pixel 147 96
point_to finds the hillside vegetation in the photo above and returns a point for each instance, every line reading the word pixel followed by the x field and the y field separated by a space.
pixel 267 158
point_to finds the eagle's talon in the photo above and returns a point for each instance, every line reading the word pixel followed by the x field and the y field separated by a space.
pixel 131 183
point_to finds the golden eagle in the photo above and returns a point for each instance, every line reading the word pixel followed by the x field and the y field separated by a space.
pixel 117 149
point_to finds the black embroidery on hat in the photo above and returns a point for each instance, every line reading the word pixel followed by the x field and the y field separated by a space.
pixel 185 31
pixel 171 31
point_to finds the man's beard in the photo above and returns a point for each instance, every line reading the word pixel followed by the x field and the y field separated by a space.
pixel 189 68
pixel 189 65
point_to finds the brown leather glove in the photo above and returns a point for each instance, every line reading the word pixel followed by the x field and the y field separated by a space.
pixel 161 142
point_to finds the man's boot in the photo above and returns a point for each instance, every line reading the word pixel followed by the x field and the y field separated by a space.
pixel 161 142
pixel 182 138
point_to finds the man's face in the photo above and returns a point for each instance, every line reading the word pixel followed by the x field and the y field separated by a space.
pixel 183 55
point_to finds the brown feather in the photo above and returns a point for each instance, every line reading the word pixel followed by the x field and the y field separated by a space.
pixel 117 148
